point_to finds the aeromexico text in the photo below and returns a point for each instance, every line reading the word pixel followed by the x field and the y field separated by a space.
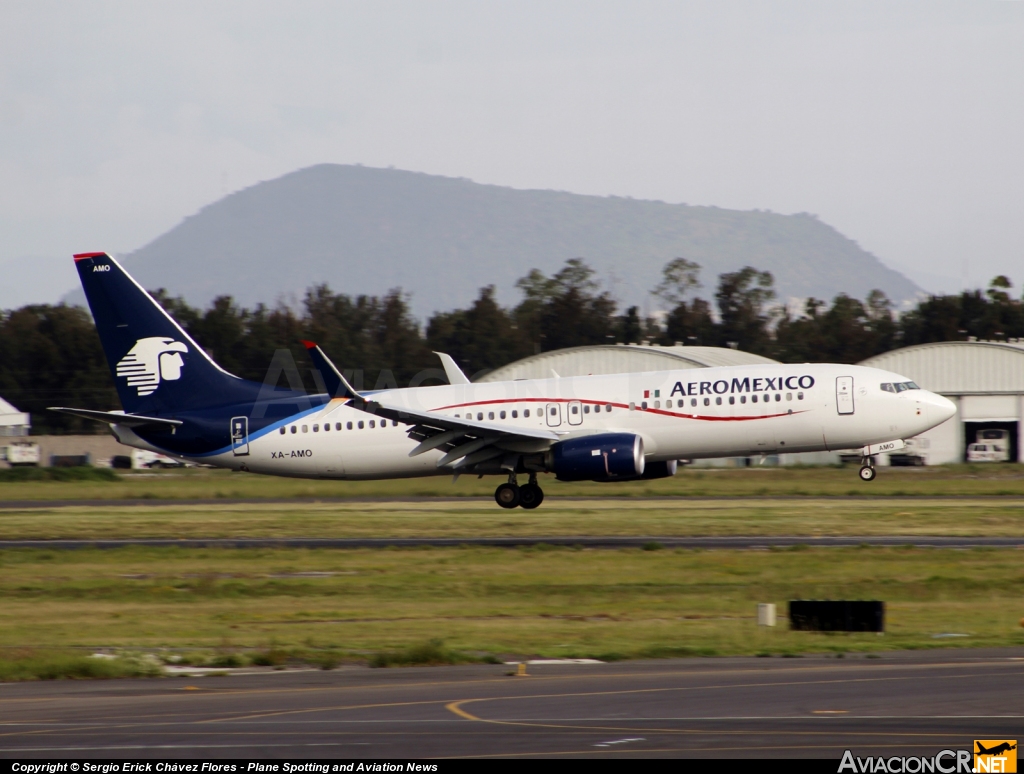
pixel 747 384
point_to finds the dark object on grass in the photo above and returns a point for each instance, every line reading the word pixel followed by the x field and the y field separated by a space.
pixel 121 462
pixel 836 616
pixel 70 460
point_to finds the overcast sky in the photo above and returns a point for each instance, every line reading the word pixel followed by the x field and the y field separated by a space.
pixel 899 123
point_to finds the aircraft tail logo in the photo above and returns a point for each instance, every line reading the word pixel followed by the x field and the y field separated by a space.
pixel 151 361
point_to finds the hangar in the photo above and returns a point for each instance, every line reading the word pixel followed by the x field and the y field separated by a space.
pixel 985 379
pixel 619 359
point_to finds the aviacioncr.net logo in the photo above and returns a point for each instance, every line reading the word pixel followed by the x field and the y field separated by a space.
pixel 151 361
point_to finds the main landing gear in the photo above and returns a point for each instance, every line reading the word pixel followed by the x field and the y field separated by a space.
pixel 867 469
pixel 511 495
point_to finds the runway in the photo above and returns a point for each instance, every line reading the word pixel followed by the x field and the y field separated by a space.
pixel 907 703
pixel 582 541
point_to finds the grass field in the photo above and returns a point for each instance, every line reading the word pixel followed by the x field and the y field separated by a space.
pixel 503 602
pixel 230 607
pixel 206 484
pixel 557 517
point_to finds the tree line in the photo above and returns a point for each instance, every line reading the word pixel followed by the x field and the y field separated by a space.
pixel 50 354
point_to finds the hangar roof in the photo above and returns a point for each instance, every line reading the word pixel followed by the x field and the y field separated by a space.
pixel 959 367
pixel 619 358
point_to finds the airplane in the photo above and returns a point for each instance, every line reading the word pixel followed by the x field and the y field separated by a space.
pixel 621 427
pixel 999 748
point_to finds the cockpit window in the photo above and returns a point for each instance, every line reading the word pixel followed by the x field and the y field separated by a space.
pixel 912 386
pixel 900 387
pixel 887 387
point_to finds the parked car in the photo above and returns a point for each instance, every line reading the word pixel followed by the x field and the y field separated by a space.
pixel 147 459
pixel 989 451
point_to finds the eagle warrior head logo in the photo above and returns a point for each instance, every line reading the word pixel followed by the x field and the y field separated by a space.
pixel 150 361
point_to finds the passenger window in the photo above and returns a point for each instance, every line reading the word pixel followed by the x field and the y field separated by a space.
pixel 371 424
pixel 337 426
pixel 693 401
pixel 753 399
pixel 608 408
pixel 575 410
pixel 501 415
pixel 643 405
pixel 515 414
pixel 295 429
pixel 718 401
pixel 316 428
pixel 732 400
pixel 789 396
pixel 707 401
pixel 526 413
pixel 743 398
pixel 490 415
pixel 348 425
pixel 360 424
pixel 327 426
pixel 394 423
pixel 553 411
pixel 305 428
pixel 799 396
pixel 283 431
pixel 586 409
pixel 778 397
pixel 657 404
pixel 479 416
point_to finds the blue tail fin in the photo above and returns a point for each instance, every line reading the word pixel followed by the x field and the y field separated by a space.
pixel 157 367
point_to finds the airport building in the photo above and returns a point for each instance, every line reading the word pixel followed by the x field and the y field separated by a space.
pixel 985 379
pixel 12 421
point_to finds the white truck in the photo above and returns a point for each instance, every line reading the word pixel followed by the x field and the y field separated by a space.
pixel 22 453
pixel 990 446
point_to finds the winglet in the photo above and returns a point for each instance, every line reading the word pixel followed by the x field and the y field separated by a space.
pixel 335 382
pixel 451 370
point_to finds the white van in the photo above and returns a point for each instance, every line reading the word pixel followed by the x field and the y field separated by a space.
pixel 989 451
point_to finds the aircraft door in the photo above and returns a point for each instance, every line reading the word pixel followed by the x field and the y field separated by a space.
pixel 574 412
pixel 844 394
pixel 240 436
pixel 553 412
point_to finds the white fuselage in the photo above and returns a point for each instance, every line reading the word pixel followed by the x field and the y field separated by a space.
pixel 687 414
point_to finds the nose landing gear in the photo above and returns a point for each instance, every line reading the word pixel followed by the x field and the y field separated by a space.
pixel 511 495
pixel 867 469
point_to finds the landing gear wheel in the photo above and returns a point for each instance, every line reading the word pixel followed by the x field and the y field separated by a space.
pixel 530 496
pixel 507 495
pixel 867 473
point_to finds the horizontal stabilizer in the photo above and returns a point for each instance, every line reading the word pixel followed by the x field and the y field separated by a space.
pixel 116 417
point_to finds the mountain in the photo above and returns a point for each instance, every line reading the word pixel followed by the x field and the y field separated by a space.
pixel 365 230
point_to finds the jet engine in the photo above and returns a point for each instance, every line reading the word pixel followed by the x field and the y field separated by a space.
pixel 603 457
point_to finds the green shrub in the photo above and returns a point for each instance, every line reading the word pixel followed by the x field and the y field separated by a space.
pixel 58 474
pixel 58 665
pixel 432 653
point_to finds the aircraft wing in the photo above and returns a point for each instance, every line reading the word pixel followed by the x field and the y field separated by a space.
pixel 465 441
pixel 116 417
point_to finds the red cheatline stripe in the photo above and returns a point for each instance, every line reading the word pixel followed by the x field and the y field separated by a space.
pixel 617 405
pixel 82 256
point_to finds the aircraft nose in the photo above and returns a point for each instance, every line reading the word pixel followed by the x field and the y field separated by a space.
pixel 940 407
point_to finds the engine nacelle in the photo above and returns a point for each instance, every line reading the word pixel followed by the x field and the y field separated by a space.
pixel 664 469
pixel 604 457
